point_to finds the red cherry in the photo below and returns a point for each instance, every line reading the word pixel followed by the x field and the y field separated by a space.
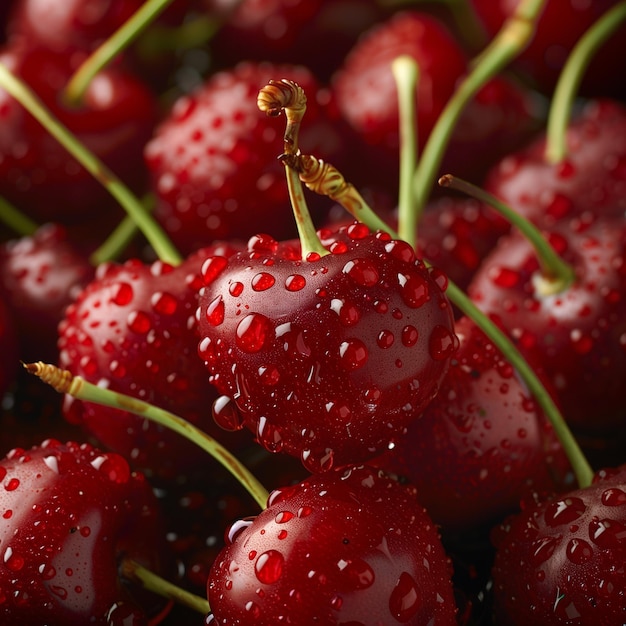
pixel 213 159
pixel 347 547
pixel 132 329
pixel 562 561
pixel 40 275
pixel 8 349
pixel 329 358
pixel 481 445
pixel 579 332
pixel 68 514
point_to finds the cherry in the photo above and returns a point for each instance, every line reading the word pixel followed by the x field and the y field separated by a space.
pixel 591 179
pixel 348 546
pixel 115 120
pixel 130 329
pixel 481 445
pixel 70 514
pixel 8 349
pixel 40 275
pixel 562 561
pixel 330 357
pixel 213 159
pixel 578 330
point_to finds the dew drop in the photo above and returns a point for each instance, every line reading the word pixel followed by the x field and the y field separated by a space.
pixel 295 282
pixel 358 572
pixel 7 514
pixel 318 461
pixel 283 517
pixel 442 343
pixel 13 561
pixel 269 567
pixel 164 303
pixel 226 415
pixel 252 332
pixel 212 268
pixel 542 549
pixel 362 271
pixel 122 294
pixel 385 339
pixel 608 534
pixel 504 277
pixel 564 511
pixel 404 601
pixel 237 528
pixel 262 281
pixel 353 354
pixel 113 466
pixel 253 609
pixel 578 551
pixel 235 289
pixel 414 290
pixel 613 497
pixel 269 375
pixel 139 322
pixel 215 312
pixel 409 336
pixel 12 484
pixel 269 436
pixel 400 250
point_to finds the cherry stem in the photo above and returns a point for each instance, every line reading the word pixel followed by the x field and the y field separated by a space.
pixel 570 78
pixel 326 180
pixel 578 461
pixel 15 219
pixel 122 235
pixel 137 573
pixel 285 96
pixel 515 33
pixel 406 74
pixel 77 387
pixel 150 228
pixel 109 49
pixel 556 274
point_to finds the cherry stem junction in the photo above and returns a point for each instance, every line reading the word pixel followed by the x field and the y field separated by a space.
pixel 406 74
pixel 515 33
pixel 556 274
pixel 33 104
pixel 286 96
pixel 571 76
pixel 137 573
pixel 64 381
pixel 109 49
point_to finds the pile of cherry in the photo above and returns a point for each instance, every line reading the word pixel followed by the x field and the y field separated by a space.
pixel 413 477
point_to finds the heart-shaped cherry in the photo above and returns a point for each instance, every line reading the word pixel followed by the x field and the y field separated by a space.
pixel 351 546
pixel 326 358
pixel 69 514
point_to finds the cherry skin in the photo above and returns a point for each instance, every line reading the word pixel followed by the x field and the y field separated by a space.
pixel 481 445
pixel 132 329
pixel 578 331
pixel 562 561
pixel 69 514
pixel 329 358
pixel 8 349
pixel 350 546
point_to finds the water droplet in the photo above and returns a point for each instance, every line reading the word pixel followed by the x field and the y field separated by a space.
pixel 385 339
pixel 237 528
pixel 226 415
pixel 359 573
pixel 269 436
pixel 164 303
pixel 113 466
pixel 409 336
pixel 404 601
pixel 122 294
pixel 542 549
pixel 348 312
pixel 564 511
pixel 504 277
pixel 318 461
pixel 262 281
pixel 7 514
pixel 400 250
pixel 578 551
pixel 442 343
pixel 295 282
pixel 269 375
pixel 52 462
pixel 269 567
pixel 283 517
pixel 252 332
pixel 613 497
pixel 362 271
pixel 414 289
pixel 608 534
pixel 353 354
pixel 12 484
pixel 215 312
pixel 139 322
pixel 253 609
pixel 212 268
pixel 13 561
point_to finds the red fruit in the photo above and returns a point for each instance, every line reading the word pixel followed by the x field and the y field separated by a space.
pixel 8 349
pixel 578 333
pixel 591 179
pixel 213 160
pixel 329 358
pixel 69 514
pixel 562 561
pixel 40 276
pixel 36 173
pixel 130 329
pixel 560 25
pixel 481 445
pixel 347 547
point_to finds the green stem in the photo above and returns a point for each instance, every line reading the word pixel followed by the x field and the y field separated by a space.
pixel 580 465
pixel 406 74
pixel 556 274
pixel 506 45
pixel 31 102
pixel 571 77
pixel 16 220
pixel 152 582
pixel 64 382
pixel 107 51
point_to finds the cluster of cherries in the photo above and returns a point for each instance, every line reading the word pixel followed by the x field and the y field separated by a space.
pixel 401 393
